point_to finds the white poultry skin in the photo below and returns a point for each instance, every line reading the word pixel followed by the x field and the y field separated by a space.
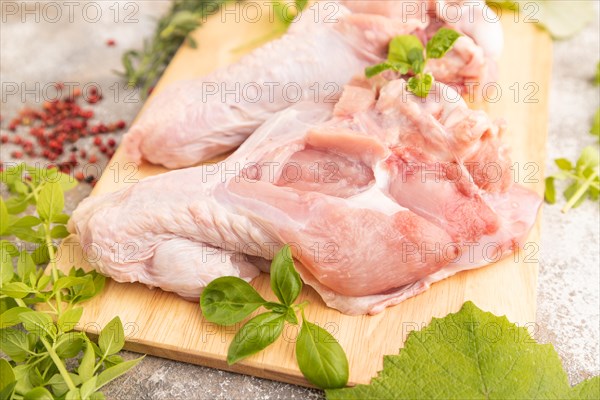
pixel 196 120
pixel 379 197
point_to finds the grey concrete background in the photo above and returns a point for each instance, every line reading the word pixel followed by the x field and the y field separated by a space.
pixel 33 49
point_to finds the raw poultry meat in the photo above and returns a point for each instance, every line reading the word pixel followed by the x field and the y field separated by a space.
pixel 378 196
pixel 192 121
pixel 472 18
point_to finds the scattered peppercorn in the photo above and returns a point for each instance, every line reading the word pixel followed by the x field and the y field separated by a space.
pixel 57 125
pixel 110 42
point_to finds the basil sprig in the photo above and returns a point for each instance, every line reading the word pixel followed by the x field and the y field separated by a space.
pixel 229 300
pixel 406 53
pixel 45 357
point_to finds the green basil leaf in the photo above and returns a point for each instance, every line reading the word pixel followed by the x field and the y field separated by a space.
pixel 69 281
pixel 377 69
pixel 7 380
pixel 18 290
pixel 25 267
pixel 82 288
pixel 113 360
pixel 73 394
pixel 3 217
pixel 39 323
pixel 15 344
pixel 29 235
pixel 255 335
pixel 61 219
pixel 69 345
pixel 27 221
pixel 59 386
pixel 88 387
pixel 420 84
pixel 66 181
pixel 38 393
pixel 228 300
pixel 69 319
pixel 51 201
pixel 86 365
pixel 40 255
pixel 6 303
pixel 17 204
pixel 22 376
pixel 563 164
pixel 416 59
pixel 11 316
pixel 114 372
pixel 20 188
pixel 441 42
pixel 320 357
pixel 550 192
pixel 43 282
pixel 97 396
pixel 35 374
pixel 59 232
pixel 285 280
pixel 112 337
pixel 399 49
pixel 6 268
pixel 99 282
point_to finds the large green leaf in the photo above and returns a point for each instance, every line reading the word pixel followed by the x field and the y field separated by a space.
pixel 285 280
pixel 471 354
pixel 258 333
pixel 320 357
pixel 7 380
pixel 51 201
pixel 228 300
pixel 112 337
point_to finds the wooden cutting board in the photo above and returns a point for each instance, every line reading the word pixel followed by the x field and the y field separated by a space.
pixel 162 324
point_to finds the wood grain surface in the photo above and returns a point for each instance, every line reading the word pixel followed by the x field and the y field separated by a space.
pixel 162 324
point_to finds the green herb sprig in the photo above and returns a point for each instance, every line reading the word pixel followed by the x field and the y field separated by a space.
pixel 46 357
pixel 229 300
pixel 144 67
pixel 406 54
pixel 582 177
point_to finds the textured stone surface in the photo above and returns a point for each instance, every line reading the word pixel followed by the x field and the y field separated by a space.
pixel 568 300
pixel 569 279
